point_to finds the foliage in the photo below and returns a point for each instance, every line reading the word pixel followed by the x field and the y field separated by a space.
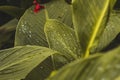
pixel 72 35
pixel 105 67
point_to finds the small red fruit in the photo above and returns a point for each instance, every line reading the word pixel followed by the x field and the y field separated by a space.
pixel 37 7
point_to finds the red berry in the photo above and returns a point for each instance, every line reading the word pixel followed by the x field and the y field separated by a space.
pixel 37 6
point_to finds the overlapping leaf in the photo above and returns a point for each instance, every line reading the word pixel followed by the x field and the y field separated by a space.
pixel 96 67
pixel 12 10
pixel 6 32
pixel 112 3
pixel 62 38
pixel 31 24
pixel 16 63
pixel 31 27
pixel 110 32
pixel 60 10
pixel 89 18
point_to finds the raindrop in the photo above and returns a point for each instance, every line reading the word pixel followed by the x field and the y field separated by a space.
pixel 100 69
pixel 38 41
pixel 19 29
pixel 23 31
pixel 51 26
pixel 22 25
pixel 58 34
pixel 27 45
pixel 57 42
pixel 64 35
pixel 117 66
pixel 103 79
pixel 41 67
pixel 30 32
pixel 30 36
pixel 90 79
pixel 71 34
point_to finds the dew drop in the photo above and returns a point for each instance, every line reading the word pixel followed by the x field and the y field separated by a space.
pixel 19 29
pixel 57 42
pixel 64 35
pixel 71 34
pixel 117 66
pixel 103 79
pixel 38 41
pixel 30 32
pixel 41 67
pixel 58 34
pixel 30 36
pixel 90 78
pixel 100 69
pixel 22 25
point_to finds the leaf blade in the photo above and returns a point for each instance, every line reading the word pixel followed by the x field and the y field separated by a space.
pixel 59 34
pixel 110 32
pixel 19 61
pixel 12 10
pixel 35 23
pixel 6 32
pixel 89 20
pixel 95 67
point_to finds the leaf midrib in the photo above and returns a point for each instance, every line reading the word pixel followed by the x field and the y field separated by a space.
pixel 93 36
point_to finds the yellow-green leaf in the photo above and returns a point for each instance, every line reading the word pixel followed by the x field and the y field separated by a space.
pixel 96 67
pixel 30 29
pixel 62 38
pixel 6 32
pixel 110 32
pixel 60 10
pixel 17 62
pixel 89 18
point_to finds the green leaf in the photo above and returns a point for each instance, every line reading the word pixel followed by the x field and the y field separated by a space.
pixel 17 62
pixel 42 71
pixel 60 10
pixel 96 67
pixel 112 3
pixel 31 25
pixel 30 29
pixel 62 38
pixel 6 31
pixel 89 18
pixel 12 10
pixel 9 26
pixel 110 32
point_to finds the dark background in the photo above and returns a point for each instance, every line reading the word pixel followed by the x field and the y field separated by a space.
pixel 5 17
